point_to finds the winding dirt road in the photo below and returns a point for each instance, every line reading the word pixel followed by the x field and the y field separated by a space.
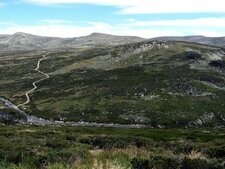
pixel 27 94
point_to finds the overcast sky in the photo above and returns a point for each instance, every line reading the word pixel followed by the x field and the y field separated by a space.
pixel 145 18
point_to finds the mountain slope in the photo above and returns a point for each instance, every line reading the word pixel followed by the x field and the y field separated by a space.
pixel 161 84
pixel 215 41
pixel 23 41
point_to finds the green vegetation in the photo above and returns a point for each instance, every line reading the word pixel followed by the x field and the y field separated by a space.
pixel 169 84
pixel 25 147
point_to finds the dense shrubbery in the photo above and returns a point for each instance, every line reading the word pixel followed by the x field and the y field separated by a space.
pixel 199 164
pixel 160 162
pixel 74 147
pixel 107 142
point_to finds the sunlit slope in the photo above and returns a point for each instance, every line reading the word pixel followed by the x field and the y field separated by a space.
pixel 162 84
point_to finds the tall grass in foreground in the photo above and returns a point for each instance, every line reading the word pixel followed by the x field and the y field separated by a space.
pixel 32 147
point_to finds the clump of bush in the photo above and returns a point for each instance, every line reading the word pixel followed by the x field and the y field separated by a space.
pixel 140 163
pixel 188 163
pixel 9 116
pixel 161 162
pixel 217 63
pixel 107 142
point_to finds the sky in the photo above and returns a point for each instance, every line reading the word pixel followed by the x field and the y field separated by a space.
pixel 144 18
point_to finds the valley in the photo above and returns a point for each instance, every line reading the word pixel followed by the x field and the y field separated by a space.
pixel 158 84
pixel 112 84
pixel 140 105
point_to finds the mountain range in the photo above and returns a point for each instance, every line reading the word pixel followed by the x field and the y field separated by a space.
pixel 214 41
pixel 24 41
pixel 114 102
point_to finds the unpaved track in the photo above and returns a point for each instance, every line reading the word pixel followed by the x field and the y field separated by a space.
pixel 27 94
pixel 40 121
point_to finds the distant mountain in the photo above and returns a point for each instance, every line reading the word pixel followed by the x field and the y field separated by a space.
pixel 24 41
pixel 215 41
pixel 99 40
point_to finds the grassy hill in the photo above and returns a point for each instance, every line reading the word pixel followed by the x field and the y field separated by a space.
pixel 161 84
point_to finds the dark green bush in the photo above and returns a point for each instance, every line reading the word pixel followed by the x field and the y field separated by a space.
pixel 161 162
pixel 108 142
pixel 9 116
pixel 138 163
pixel 218 152
pixel 188 163
pixel 105 142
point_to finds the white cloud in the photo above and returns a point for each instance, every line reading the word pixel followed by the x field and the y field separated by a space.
pixel 209 33
pixel 66 30
pixel 176 6
pixel 55 21
pixel 199 22
pixel 97 2
pixel 147 29
pixel 149 6
pixel 2 4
